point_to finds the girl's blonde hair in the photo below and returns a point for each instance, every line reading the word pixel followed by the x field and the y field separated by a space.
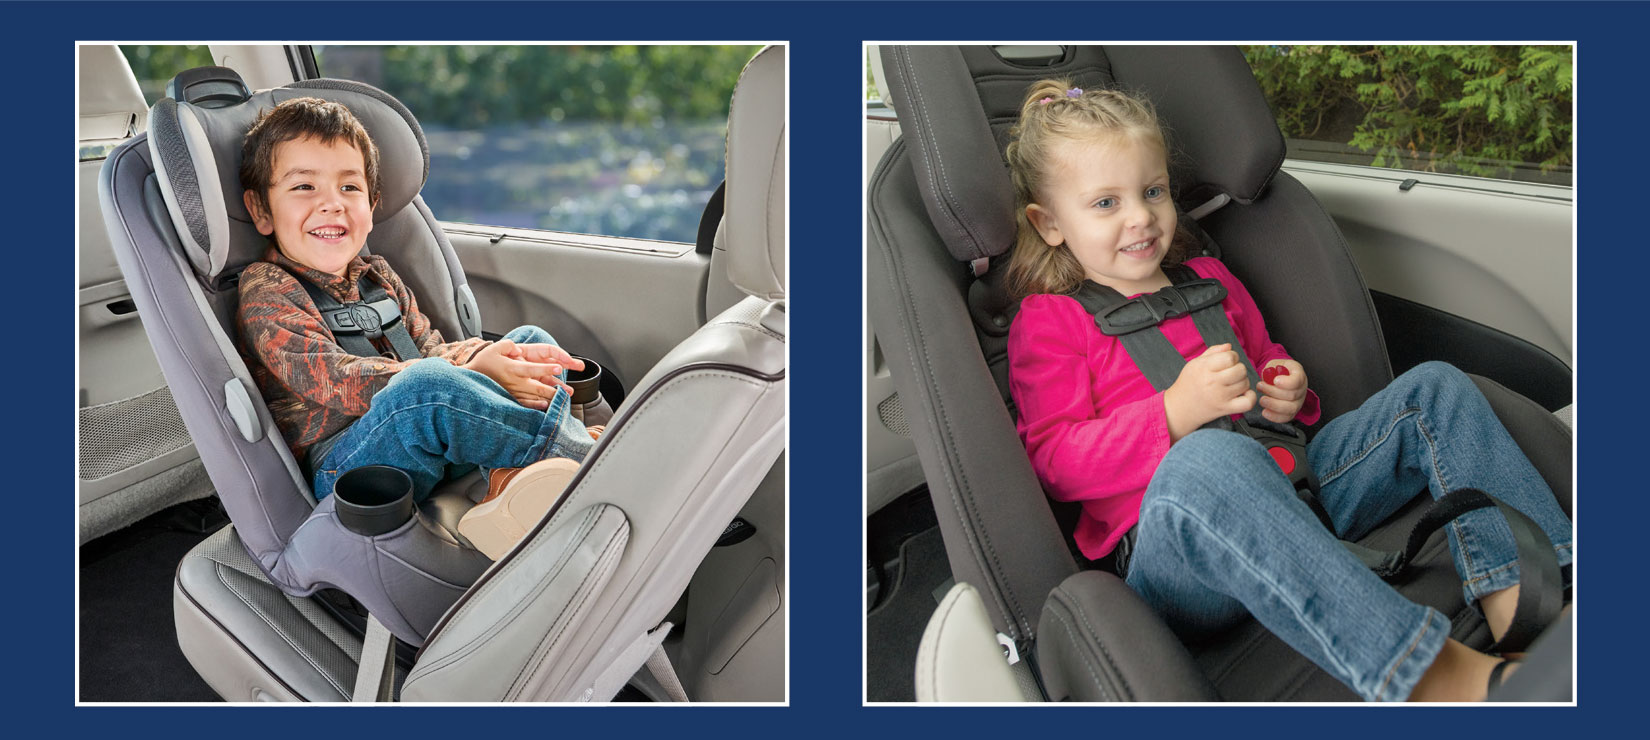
pixel 1049 115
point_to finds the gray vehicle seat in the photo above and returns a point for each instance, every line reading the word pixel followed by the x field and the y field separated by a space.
pixel 941 217
pixel 604 566
pixel 181 234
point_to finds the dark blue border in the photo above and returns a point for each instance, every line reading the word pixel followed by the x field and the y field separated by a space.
pixel 826 186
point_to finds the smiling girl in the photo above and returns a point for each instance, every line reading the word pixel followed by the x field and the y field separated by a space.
pixel 1206 526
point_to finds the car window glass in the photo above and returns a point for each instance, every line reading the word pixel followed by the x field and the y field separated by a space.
pixel 1487 111
pixel 154 66
pixel 615 140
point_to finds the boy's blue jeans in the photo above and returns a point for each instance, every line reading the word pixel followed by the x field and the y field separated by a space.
pixel 1222 533
pixel 436 420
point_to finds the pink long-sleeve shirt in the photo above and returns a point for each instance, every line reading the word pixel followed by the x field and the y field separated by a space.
pixel 1091 422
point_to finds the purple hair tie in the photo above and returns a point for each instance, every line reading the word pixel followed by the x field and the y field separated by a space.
pixel 1074 92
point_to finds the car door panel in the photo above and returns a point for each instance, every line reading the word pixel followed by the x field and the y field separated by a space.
pixel 635 299
pixel 1493 252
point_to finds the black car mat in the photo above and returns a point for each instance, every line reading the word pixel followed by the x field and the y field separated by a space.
pixel 128 642
pixel 894 628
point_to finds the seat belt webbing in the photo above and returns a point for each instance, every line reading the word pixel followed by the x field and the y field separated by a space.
pixel 376 309
pixel 375 680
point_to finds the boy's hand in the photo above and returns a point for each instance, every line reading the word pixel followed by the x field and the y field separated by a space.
pixel 1212 385
pixel 1282 398
pixel 527 371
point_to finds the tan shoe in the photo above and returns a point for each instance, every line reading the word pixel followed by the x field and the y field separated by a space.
pixel 517 498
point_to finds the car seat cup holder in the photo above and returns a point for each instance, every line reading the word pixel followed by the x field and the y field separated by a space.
pixel 373 499
pixel 587 402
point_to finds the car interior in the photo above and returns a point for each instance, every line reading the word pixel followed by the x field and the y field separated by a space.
pixel 659 574
pixel 974 590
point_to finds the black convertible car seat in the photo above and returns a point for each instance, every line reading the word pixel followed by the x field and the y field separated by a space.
pixel 941 220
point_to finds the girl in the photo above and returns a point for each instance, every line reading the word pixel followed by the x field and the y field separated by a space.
pixel 1217 529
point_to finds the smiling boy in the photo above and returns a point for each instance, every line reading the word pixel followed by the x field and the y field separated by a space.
pixel 311 180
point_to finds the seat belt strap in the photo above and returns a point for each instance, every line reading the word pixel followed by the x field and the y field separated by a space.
pixel 356 323
pixel 641 656
pixel 1541 583
pixel 375 679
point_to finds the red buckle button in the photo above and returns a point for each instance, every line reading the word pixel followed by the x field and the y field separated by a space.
pixel 1281 456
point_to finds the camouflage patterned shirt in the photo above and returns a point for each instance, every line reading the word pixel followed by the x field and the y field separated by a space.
pixel 312 386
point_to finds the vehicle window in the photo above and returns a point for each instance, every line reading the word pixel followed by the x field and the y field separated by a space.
pixel 615 140
pixel 1488 111
pixel 154 66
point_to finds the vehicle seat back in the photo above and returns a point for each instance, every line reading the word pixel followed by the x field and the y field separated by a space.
pixel 593 582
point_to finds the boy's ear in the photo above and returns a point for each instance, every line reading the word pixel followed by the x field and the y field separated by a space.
pixel 260 214
pixel 1043 221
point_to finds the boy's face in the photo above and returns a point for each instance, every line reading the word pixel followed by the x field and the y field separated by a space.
pixel 318 208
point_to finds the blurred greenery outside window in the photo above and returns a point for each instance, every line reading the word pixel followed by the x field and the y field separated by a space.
pixel 1488 111
pixel 153 66
pixel 615 140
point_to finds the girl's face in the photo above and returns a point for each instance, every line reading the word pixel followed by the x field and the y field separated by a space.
pixel 1107 200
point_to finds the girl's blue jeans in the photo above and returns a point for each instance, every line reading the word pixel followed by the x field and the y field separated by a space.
pixel 1222 534
pixel 436 420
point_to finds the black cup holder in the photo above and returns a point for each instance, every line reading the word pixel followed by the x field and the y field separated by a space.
pixel 373 499
pixel 586 383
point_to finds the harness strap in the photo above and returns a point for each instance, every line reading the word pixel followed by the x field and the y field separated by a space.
pixel 1136 323
pixel 354 324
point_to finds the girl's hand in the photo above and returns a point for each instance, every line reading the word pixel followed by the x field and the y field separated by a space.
pixel 1212 385
pixel 1281 399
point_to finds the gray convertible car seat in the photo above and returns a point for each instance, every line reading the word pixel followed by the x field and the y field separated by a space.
pixel 941 218
pixel 579 604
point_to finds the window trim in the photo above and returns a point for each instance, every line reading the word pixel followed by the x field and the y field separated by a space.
pixel 547 238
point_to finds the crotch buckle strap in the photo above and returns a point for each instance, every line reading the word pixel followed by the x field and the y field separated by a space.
pixel 1149 310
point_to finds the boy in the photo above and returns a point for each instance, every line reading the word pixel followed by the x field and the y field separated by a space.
pixel 310 175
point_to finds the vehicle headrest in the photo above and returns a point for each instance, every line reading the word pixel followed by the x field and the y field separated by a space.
pixel 754 212
pixel 196 148
pixel 957 103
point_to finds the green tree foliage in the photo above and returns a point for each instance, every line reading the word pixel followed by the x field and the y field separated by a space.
pixel 473 87
pixel 154 66
pixel 1478 110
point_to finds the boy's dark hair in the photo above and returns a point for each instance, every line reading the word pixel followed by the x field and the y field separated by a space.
pixel 301 118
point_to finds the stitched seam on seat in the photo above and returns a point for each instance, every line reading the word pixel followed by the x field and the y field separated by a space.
pixel 930 151
pixel 267 620
pixel 1059 608
pixel 1122 681
pixel 602 461
pixel 415 569
pixel 980 548
pixel 933 662
pixel 751 325
pixel 610 561
pixel 560 564
pixel 545 641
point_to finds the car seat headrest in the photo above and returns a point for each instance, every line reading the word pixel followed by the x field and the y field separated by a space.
pixel 196 146
pixel 754 211
pixel 957 103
